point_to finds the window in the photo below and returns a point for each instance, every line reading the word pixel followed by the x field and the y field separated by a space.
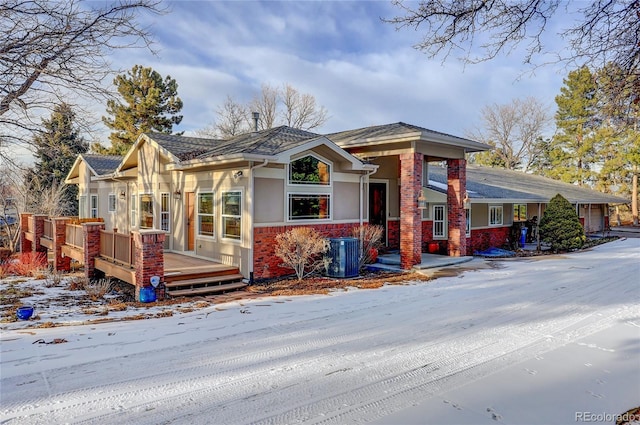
pixel 309 170
pixel 205 214
pixel 93 213
pixel 425 173
pixel 164 212
pixel 439 221
pixel 309 207
pixel 112 202
pixel 82 206
pixel 231 214
pixel 467 216
pixel 134 210
pixel 519 212
pixel 146 211
pixel 495 215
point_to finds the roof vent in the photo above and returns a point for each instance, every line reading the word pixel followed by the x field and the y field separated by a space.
pixel 256 118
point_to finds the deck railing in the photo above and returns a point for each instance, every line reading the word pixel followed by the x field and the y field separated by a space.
pixel 117 247
pixel 31 224
pixel 74 235
pixel 48 229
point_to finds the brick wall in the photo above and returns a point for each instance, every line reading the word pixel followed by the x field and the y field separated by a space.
pixel 393 234
pixel 149 260
pixel 410 215
pixel 38 232
pixel 482 239
pixel 265 263
pixel 25 244
pixel 91 248
pixel 456 183
pixel 60 263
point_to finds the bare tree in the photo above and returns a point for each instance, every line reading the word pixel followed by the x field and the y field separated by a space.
pixel 266 105
pixel 515 130
pixel 608 31
pixel 233 119
pixel 285 106
pixel 52 51
pixel 300 109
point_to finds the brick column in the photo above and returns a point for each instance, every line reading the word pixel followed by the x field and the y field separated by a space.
pixel 60 263
pixel 149 260
pixel 38 232
pixel 91 247
pixel 410 215
pixel 456 187
pixel 25 244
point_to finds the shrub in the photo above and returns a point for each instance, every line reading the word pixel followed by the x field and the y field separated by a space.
pixel 560 226
pixel 370 236
pixel 32 264
pixel 301 249
pixel 98 289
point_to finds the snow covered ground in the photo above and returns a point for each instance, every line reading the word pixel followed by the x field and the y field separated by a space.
pixel 548 340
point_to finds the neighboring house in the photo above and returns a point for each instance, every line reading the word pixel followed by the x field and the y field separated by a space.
pixel 227 200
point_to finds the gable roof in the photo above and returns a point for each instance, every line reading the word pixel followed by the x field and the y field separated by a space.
pixel 102 164
pixel 389 132
pixel 486 183
pixel 184 147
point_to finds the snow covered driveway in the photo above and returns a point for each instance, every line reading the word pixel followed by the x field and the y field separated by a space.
pixel 474 348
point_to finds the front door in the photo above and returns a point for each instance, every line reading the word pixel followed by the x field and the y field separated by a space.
pixel 378 207
pixel 191 230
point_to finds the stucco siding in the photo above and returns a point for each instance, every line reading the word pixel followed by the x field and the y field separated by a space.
pixel 269 200
pixel 346 201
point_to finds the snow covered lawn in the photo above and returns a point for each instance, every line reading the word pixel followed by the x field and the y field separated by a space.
pixel 553 340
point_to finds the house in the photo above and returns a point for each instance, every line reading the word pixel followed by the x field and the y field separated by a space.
pixel 227 200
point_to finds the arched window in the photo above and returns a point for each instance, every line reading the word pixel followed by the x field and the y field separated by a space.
pixel 309 170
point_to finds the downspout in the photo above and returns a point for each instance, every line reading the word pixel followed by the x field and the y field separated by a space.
pixel 251 212
pixel 361 214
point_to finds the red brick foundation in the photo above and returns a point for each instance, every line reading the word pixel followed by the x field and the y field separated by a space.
pixel 91 247
pixel 60 263
pixel 393 234
pixel 410 215
pixel 456 187
pixel 149 260
pixel 482 239
pixel 265 263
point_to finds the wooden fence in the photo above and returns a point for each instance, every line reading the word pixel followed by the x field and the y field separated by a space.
pixel 117 247
pixel 74 235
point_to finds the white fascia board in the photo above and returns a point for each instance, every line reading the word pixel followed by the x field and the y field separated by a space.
pixel 220 160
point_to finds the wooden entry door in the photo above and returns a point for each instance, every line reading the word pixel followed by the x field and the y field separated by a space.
pixel 191 220
pixel 378 207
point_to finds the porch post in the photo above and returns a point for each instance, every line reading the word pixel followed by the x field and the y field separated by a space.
pixel 38 232
pixel 149 260
pixel 456 187
pixel 25 244
pixel 410 215
pixel 91 247
pixel 60 263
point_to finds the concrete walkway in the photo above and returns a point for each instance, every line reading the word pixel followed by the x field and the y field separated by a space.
pixel 391 262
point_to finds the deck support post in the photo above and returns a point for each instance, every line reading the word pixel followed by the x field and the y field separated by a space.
pixel 456 188
pixel 25 244
pixel 149 260
pixel 38 232
pixel 60 262
pixel 91 247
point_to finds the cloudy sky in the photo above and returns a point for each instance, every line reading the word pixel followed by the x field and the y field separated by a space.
pixel 362 70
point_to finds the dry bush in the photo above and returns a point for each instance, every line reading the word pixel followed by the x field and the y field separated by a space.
pixel 98 289
pixel 77 283
pixel 301 249
pixel 53 279
pixel 32 264
pixel 370 236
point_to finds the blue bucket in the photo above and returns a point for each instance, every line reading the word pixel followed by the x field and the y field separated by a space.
pixel 147 294
pixel 25 312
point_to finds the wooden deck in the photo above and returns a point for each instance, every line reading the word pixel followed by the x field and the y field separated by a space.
pixel 184 275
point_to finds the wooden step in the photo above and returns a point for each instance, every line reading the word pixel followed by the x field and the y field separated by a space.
pixel 196 274
pixel 208 289
pixel 203 280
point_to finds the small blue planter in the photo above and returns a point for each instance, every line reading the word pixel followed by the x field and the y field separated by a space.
pixel 25 312
pixel 147 294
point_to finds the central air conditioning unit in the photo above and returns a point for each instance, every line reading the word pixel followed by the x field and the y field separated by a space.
pixel 344 254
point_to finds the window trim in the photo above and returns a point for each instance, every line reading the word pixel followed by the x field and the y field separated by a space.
pixel 93 210
pixel 467 219
pixel 112 201
pixel 496 207
pixel 165 214
pixel 239 217
pixel 213 215
pixel 517 207
pixel 443 221
pixel 134 210
pixel 329 196
pixel 310 184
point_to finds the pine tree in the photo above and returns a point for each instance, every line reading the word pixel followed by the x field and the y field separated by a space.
pixel 150 103
pixel 573 148
pixel 560 226
pixel 57 147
